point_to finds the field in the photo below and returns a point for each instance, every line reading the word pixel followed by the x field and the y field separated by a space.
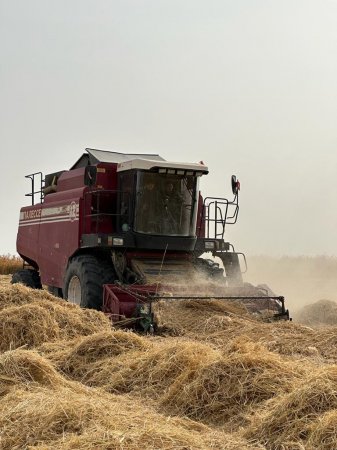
pixel 9 264
pixel 301 279
pixel 214 377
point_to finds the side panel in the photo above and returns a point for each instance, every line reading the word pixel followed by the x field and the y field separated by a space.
pixel 100 202
pixel 28 232
pixel 201 217
pixel 59 234
pixel 48 234
pixel 106 177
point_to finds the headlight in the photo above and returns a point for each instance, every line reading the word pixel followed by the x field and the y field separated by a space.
pixel 209 245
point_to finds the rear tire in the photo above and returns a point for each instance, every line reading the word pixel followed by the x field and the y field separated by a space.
pixel 27 277
pixel 85 276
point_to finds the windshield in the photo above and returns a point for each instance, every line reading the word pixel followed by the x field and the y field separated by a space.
pixel 166 204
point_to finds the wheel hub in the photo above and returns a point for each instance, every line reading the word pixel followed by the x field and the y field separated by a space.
pixel 74 291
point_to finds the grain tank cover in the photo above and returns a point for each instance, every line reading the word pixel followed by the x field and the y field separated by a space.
pixel 94 157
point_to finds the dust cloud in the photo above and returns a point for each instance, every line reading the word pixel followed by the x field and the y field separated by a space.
pixel 302 280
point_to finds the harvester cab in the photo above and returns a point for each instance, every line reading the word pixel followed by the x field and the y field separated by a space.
pixel 119 231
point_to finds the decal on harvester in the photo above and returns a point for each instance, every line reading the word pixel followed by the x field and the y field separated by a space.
pixel 64 213
pixel 32 214
pixel 73 211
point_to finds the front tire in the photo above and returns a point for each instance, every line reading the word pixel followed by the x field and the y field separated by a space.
pixel 85 276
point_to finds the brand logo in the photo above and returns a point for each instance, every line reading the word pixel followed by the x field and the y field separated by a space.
pixel 73 211
pixel 32 214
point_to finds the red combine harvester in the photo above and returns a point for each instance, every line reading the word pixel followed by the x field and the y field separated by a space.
pixel 119 231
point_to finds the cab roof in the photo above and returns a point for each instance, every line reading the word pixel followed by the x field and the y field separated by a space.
pixel 141 161
pixel 163 166
pixel 94 156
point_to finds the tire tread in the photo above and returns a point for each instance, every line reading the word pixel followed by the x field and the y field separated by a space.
pixel 93 272
pixel 27 277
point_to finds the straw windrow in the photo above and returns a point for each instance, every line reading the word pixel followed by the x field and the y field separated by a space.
pixel 68 380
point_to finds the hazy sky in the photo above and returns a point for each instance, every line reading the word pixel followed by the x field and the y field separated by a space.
pixel 250 87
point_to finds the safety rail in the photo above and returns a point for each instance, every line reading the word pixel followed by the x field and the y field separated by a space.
pixel 217 213
pixel 34 192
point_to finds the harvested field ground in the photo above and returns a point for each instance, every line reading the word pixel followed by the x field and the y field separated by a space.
pixel 5 280
pixel 213 378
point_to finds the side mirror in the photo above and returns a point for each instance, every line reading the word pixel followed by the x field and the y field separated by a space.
pixel 235 185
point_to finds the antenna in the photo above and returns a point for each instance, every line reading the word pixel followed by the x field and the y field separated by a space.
pixel 161 266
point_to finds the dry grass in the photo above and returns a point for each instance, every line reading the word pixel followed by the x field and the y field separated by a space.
pixel 323 432
pixel 221 392
pixel 203 322
pixel 5 280
pixel 79 356
pixel 9 264
pixel 188 317
pixel 64 418
pixel 41 409
pixel 30 317
pixel 149 369
pixel 218 378
pixel 297 416
pixel 183 377
pixel 23 368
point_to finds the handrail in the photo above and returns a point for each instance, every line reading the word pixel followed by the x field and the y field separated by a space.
pixel 217 213
pixel 33 191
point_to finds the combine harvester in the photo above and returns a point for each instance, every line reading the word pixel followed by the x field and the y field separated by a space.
pixel 118 232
